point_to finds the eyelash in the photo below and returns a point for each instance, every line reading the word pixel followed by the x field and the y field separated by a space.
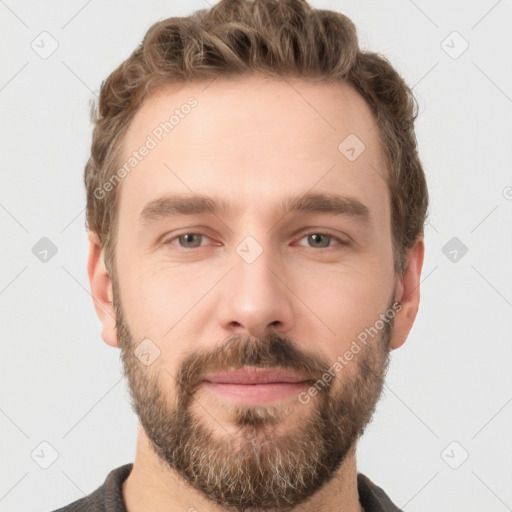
pixel 332 237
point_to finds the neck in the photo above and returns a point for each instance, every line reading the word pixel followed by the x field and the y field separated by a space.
pixel 152 485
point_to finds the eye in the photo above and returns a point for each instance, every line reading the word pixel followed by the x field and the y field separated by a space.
pixel 187 240
pixel 322 240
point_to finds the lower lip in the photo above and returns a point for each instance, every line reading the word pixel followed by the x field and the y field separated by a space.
pixel 257 393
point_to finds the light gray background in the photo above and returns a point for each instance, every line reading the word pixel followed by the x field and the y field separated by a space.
pixel 451 381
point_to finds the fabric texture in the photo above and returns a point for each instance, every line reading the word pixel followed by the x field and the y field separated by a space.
pixel 109 496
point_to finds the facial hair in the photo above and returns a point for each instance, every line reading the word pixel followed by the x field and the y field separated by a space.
pixel 257 470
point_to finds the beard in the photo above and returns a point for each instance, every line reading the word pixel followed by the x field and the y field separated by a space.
pixel 258 468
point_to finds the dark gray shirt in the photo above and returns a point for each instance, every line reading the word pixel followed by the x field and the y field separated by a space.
pixel 109 496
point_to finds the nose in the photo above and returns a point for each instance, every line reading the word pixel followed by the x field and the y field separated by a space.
pixel 255 298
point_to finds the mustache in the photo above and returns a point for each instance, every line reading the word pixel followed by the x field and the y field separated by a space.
pixel 238 351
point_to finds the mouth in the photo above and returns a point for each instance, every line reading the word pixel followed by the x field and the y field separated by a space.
pixel 253 386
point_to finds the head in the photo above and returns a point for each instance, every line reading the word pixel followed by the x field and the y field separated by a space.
pixel 255 200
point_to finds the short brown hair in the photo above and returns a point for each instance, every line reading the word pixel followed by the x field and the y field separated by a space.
pixel 273 38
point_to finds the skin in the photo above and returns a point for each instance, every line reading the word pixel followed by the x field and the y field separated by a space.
pixel 248 142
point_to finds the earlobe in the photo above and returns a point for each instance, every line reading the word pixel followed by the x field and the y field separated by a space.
pixel 408 294
pixel 101 290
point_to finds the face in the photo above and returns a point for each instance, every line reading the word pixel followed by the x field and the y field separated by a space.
pixel 254 287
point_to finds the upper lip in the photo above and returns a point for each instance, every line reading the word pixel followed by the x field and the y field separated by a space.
pixel 253 375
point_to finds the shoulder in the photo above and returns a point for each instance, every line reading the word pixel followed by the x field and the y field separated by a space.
pixel 372 497
pixel 106 498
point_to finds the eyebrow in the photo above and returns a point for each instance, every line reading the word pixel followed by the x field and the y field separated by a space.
pixel 328 203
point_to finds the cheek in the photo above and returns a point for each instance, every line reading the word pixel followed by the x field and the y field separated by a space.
pixel 166 304
pixel 341 302
pixel 157 295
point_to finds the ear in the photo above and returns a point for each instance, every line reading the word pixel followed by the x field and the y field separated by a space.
pixel 101 289
pixel 408 294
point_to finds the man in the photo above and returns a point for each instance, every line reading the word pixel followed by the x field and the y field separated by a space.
pixel 255 206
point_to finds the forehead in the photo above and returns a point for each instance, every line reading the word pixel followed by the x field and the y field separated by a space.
pixel 250 140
